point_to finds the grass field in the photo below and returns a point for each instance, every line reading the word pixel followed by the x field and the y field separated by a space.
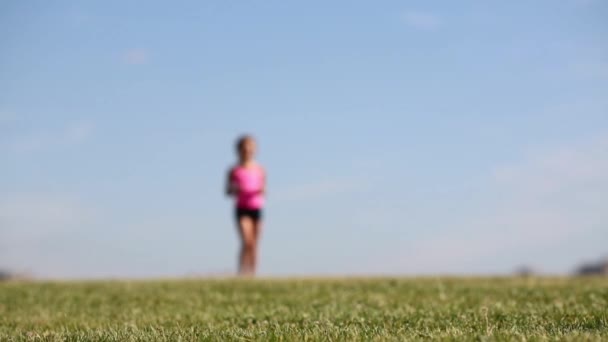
pixel 307 309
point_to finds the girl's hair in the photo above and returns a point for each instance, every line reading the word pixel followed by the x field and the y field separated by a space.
pixel 241 141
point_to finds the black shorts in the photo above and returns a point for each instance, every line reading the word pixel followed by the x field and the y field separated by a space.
pixel 254 214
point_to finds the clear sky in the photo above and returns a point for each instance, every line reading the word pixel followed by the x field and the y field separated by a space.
pixel 399 137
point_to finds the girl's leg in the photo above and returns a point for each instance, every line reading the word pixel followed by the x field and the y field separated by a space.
pixel 257 232
pixel 247 233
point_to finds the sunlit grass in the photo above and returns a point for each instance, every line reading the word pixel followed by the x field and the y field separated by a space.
pixel 317 309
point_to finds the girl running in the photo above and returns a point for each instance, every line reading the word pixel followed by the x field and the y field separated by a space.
pixel 246 182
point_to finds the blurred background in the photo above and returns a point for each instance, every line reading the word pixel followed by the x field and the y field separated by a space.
pixel 399 137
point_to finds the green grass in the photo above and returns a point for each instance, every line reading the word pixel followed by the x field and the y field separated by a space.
pixel 307 309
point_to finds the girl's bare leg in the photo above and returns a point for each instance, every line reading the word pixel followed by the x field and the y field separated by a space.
pixel 247 233
pixel 257 232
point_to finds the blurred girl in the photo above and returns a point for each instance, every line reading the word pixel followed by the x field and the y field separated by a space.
pixel 246 182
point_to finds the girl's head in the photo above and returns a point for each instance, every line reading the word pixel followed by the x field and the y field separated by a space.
pixel 245 148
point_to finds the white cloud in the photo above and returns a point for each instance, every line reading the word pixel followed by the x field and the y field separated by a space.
pixel 29 218
pixel 598 69
pixel 78 17
pixel 75 132
pixel 135 56
pixel 567 168
pixel 24 144
pixel 317 190
pixel 78 131
pixel 24 213
pixel 585 2
pixel 537 204
pixel 422 20
pixel 35 227
pixel 6 117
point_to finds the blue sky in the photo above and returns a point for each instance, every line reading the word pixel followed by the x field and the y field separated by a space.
pixel 400 137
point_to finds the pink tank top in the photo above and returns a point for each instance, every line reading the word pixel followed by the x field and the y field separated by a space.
pixel 249 181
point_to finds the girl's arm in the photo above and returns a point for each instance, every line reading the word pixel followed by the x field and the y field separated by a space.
pixel 263 189
pixel 231 189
